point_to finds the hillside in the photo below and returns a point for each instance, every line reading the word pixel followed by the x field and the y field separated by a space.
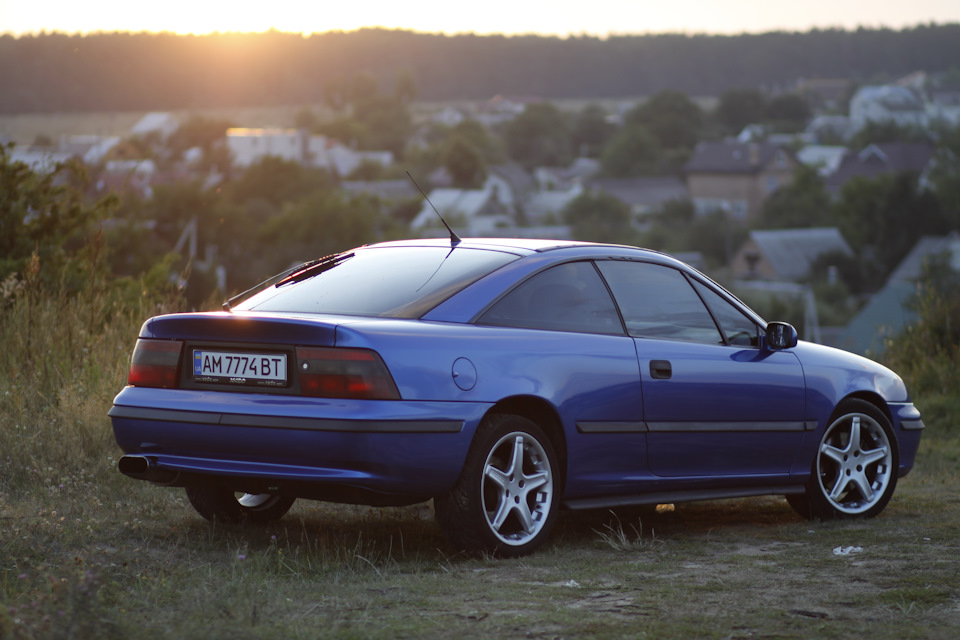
pixel 129 72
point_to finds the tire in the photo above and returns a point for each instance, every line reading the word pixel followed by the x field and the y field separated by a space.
pixel 219 503
pixel 507 497
pixel 855 470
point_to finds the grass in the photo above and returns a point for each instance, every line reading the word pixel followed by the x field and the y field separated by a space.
pixel 87 553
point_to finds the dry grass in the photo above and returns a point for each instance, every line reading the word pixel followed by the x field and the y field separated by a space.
pixel 85 552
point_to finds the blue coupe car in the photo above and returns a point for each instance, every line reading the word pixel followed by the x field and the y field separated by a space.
pixel 505 380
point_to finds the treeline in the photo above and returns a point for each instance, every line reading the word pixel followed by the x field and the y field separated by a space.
pixel 142 71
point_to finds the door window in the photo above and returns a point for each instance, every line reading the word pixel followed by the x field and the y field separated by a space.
pixel 658 302
pixel 737 328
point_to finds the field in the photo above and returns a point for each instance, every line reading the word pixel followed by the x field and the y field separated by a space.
pixel 88 553
pixel 94 555
pixel 24 129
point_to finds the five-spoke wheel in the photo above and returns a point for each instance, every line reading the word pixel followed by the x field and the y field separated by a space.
pixel 507 497
pixel 855 469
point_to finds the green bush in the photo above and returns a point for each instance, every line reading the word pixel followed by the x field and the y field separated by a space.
pixel 927 353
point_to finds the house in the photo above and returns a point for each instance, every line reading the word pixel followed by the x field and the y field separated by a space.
pixel 785 254
pixel 737 177
pixel 645 196
pixel 913 101
pixel 448 117
pixel 159 123
pixel 880 159
pixel 901 105
pixel 385 190
pixel 248 146
pixel 824 93
pixel 90 148
pixel 343 160
pixel 546 207
pixel 825 159
pixel 135 176
pixel 888 312
pixel 500 109
pixel 396 198
pixel 514 184
pixel 471 212
pixel 944 106
pixel 563 178
pixel 39 159
pixel 830 128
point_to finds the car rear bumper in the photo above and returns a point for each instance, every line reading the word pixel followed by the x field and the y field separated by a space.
pixel 300 446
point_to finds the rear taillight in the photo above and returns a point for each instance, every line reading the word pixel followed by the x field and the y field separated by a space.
pixel 344 373
pixel 155 363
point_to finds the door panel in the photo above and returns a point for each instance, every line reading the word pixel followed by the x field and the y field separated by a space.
pixel 723 410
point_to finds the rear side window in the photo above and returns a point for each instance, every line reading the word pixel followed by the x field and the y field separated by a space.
pixel 658 302
pixel 391 282
pixel 568 297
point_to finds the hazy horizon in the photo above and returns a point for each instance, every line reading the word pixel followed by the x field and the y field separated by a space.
pixel 561 18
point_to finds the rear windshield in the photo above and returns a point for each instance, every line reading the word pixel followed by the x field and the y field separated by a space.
pixel 391 282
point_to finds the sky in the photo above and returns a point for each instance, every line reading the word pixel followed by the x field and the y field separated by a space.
pixel 546 17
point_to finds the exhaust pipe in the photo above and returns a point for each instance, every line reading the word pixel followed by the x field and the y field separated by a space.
pixel 144 468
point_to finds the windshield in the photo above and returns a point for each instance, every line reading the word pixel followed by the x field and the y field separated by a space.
pixel 392 282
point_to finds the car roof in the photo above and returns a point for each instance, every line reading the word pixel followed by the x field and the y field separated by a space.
pixel 523 246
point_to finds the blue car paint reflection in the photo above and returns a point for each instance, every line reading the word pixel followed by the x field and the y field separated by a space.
pixel 630 418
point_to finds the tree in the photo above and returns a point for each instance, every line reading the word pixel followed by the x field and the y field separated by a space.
pixel 789 113
pixel 945 176
pixel 677 227
pixel 405 87
pixel 489 146
pixel 386 123
pixel 208 134
pixel 600 217
pixel 739 107
pixel 877 132
pixel 376 122
pixel 802 203
pixel 926 352
pixel 464 163
pixel 671 117
pixel 363 87
pixel 633 151
pixel 886 216
pixel 591 131
pixel 322 223
pixel 44 217
pixel 274 180
pixel 335 93
pixel 540 136
pixel 305 119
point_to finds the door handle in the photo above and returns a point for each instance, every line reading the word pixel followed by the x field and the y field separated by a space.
pixel 661 369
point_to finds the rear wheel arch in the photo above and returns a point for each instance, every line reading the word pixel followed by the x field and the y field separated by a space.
pixel 544 415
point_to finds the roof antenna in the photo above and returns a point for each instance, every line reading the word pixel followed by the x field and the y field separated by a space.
pixel 454 238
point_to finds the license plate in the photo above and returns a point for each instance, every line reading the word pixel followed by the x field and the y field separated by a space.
pixel 230 367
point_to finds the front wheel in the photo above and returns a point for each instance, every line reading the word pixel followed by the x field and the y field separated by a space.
pixel 507 497
pixel 219 503
pixel 855 469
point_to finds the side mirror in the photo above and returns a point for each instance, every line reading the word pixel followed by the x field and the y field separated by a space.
pixel 781 335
